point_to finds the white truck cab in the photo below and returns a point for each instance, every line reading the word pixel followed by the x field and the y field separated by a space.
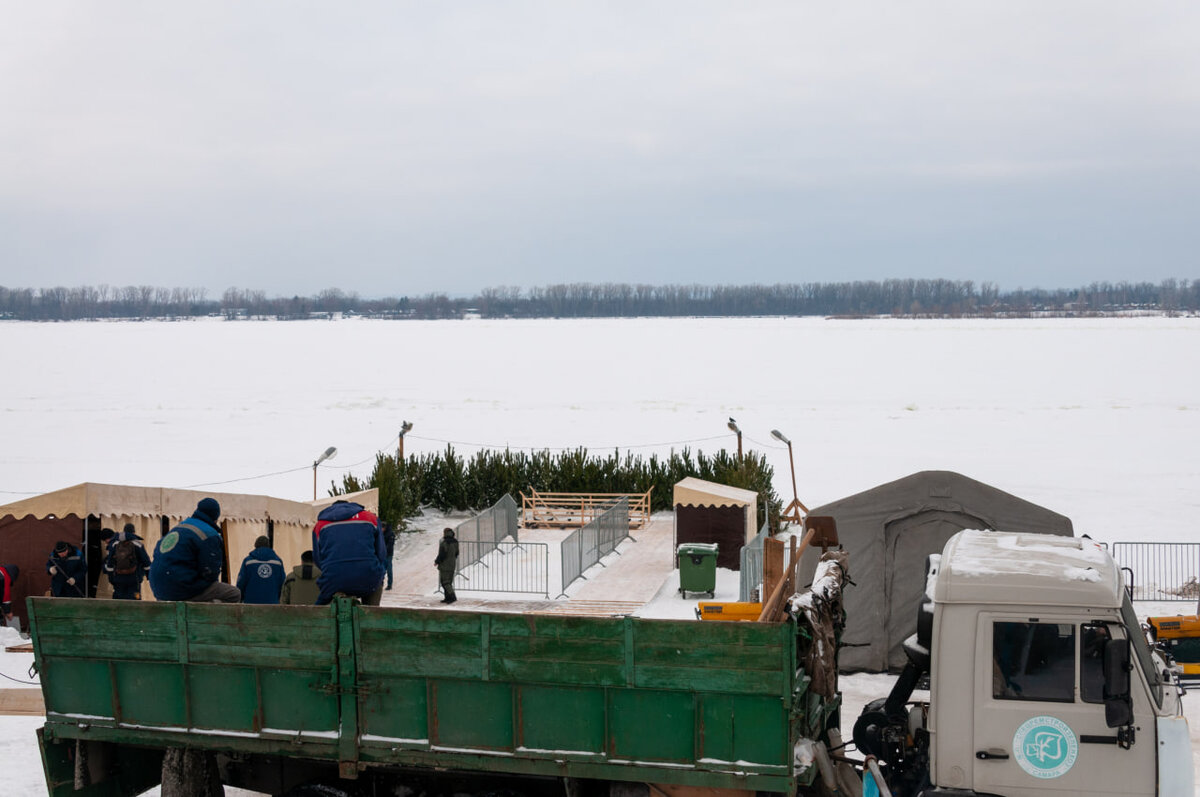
pixel 1041 681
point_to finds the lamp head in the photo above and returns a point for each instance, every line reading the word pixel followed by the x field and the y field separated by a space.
pixel 778 435
pixel 329 453
pixel 405 428
pixel 733 427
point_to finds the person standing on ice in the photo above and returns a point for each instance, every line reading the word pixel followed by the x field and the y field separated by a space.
pixel 68 571
pixel 349 549
pixel 447 564
pixel 389 547
pixel 261 576
pixel 188 560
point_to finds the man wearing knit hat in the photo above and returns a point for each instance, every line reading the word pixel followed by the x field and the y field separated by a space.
pixel 188 560
pixel 68 571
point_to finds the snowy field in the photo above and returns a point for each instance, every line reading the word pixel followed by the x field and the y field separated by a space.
pixel 1096 419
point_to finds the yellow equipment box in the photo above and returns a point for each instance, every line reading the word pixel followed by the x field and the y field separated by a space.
pixel 729 611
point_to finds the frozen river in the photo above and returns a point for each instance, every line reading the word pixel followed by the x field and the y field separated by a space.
pixel 1098 419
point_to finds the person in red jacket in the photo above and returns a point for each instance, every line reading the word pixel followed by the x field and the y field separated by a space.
pixel 349 549
pixel 8 574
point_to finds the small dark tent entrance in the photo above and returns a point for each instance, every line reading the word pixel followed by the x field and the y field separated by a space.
pixel 889 531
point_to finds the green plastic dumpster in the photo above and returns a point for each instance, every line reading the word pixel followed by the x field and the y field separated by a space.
pixel 697 568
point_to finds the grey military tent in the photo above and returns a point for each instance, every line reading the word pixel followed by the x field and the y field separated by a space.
pixel 889 531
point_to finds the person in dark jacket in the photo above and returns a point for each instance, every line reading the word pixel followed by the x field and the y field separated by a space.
pixel 187 561
pixel 8 574
pixel 68 571
pixel 300 586
pixel 447 563
pixel 389 547
pixel 126 563
pixel 348 547
pixel 261 576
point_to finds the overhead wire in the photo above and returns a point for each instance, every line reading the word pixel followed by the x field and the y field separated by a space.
pixel 19 681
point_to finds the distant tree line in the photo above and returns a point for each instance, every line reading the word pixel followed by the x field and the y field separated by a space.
pixel 893 297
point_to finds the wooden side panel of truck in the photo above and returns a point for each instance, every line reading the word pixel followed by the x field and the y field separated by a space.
pixel 366 689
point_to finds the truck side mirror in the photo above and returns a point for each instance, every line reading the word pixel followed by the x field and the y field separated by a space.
pixel 1118 705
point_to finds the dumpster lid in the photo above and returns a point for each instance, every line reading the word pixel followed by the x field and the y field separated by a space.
pixel 697 547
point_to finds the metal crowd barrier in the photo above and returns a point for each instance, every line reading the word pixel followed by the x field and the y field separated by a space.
pixel 751 565
pixel 486 530
pixel 589 544
pixel 505 567
pixel 1163 571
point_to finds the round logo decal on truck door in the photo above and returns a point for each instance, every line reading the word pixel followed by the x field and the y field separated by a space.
pixel 1045 747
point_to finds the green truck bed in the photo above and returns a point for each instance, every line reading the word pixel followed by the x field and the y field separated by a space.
pixel 682 702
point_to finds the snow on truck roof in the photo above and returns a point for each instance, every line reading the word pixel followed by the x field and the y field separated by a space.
pixel 999 567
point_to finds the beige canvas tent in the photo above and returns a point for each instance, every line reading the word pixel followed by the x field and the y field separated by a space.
pixel 710 512
pixel 154 510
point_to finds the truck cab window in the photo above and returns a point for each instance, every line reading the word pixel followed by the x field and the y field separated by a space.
pixel 1093 639
pixel 1033 661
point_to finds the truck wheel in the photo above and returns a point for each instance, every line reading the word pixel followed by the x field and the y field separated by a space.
pixel 190 773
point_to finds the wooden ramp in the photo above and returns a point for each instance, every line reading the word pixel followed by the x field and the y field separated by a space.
pixel 591 608
pixel 22 702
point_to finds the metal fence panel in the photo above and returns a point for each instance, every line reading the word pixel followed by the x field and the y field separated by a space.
pixel 504 567
pixel 572 562
pixel 752 564
pixel 589 544
pixel 485 530
pixel 1162 571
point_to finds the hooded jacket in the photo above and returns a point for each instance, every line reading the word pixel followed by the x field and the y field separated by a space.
pixel 261 576
pixel 300 586
pixel 71 566
pixel 348 547
pixel 187 560
pixel 447 556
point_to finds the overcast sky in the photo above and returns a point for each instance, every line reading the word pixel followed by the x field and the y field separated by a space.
pixel 396 148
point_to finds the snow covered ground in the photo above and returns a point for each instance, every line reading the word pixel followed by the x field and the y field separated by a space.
pixel 1098 419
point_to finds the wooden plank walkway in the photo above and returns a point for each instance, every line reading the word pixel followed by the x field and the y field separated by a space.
pixel 622 585
pixel 22 703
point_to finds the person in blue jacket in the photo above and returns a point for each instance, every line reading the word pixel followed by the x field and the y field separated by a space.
pixel 262 574
pixel 349 549
pixel 68 571
pixel 126 563
pixel 187 561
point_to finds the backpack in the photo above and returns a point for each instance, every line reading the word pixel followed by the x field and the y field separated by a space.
pixel 125 558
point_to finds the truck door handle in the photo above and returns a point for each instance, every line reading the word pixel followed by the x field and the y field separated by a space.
pixel 991 755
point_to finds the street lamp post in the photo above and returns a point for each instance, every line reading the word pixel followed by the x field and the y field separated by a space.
pixel 329 453
pixel 791 513
pixel 733 427
pixel 405 428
